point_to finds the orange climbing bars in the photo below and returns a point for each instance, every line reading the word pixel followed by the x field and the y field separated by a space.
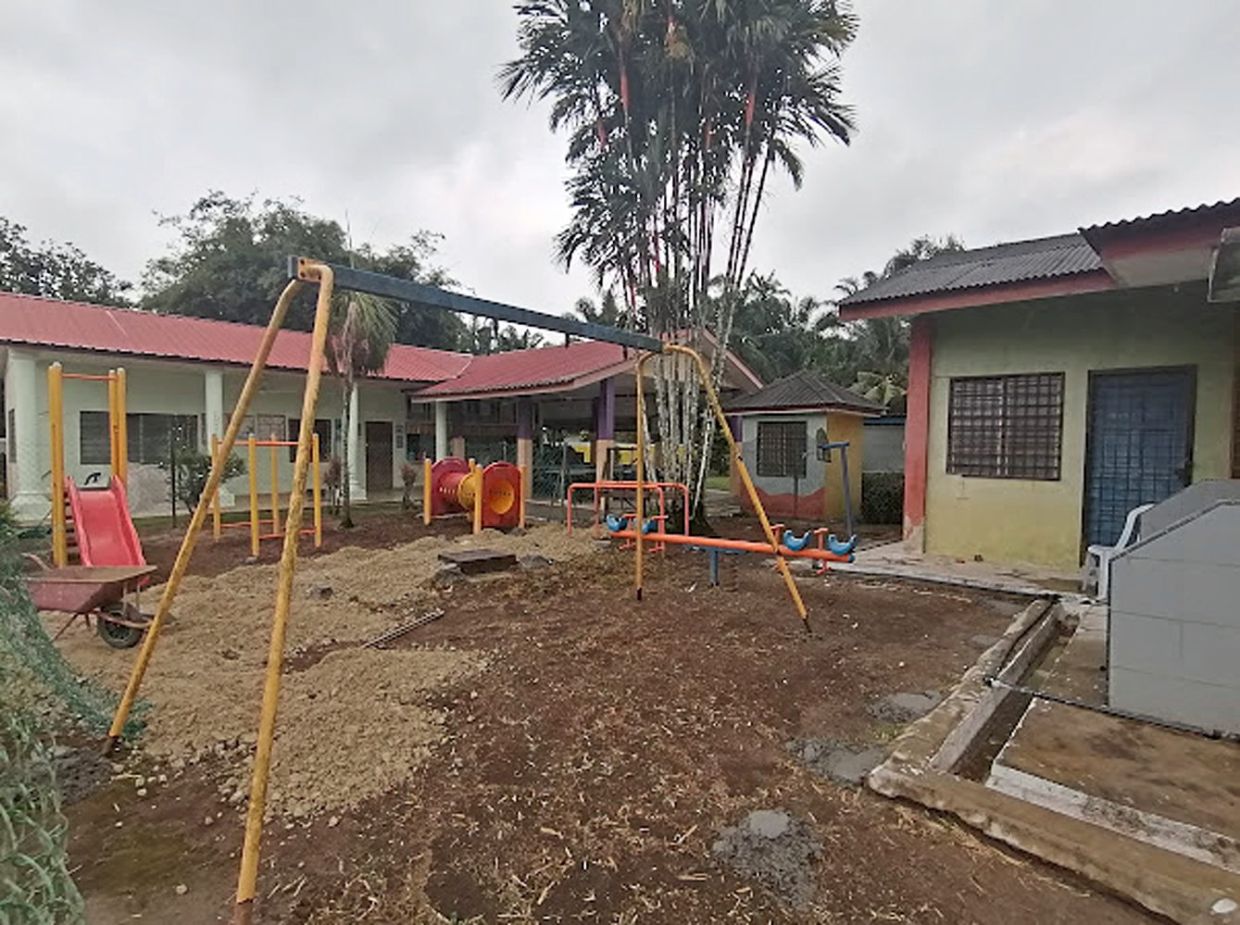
pixel 254 524
pixel 621 485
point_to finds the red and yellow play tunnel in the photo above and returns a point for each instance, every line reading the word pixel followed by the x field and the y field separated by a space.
pixel 454 488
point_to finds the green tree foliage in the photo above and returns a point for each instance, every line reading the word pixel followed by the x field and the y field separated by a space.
pixel 777 334
pixel 58 271
pixel 229 262
pixel 607 311
pixel 485 336
pixel 193 468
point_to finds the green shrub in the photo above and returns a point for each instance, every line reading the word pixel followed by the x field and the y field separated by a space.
pixel 882 497
pixel 192 470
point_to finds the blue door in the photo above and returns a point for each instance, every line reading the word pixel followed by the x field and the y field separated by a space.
pixel 1140 445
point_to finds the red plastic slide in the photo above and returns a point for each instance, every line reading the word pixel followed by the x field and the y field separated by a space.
pixel 104 529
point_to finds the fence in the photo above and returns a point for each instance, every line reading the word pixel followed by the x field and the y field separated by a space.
pixel 36 685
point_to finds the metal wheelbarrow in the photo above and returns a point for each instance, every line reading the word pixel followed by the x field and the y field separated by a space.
pixel 108 593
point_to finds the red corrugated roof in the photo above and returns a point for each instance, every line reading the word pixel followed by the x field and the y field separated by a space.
pixel 528 370
pixel 77 326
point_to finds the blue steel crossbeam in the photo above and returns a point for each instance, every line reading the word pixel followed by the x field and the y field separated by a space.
pixel 404 290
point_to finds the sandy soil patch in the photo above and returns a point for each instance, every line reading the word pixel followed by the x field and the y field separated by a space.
pixel 354 722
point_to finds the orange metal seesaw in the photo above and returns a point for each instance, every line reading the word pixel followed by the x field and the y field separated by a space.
pixel 712 398
pixel 813 552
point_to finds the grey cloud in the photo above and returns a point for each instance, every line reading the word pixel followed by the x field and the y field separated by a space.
pixel 994 121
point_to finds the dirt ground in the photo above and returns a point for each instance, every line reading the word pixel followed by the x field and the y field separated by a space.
pixel 214 648
pixel 577 760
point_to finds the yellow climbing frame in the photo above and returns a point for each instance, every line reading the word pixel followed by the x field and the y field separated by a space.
pixel 734 451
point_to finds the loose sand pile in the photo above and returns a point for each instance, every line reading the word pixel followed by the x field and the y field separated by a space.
pixel 351 725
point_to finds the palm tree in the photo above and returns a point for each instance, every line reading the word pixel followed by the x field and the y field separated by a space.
pixel 363 329
pixel 486 337
pixel 676 111
pixel 606 312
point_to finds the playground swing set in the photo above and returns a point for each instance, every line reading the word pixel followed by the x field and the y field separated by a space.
pixel 458 487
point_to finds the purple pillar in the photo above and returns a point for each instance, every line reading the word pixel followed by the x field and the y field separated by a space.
pixel 525 418
pixel 604 426
pixel 605 414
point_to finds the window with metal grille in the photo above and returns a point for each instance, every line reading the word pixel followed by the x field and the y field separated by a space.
pixel 1006 427
pixel 322 427
pixel 151 436
pixel 94 439
pixel 781 448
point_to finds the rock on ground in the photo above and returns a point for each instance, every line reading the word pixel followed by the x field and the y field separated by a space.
pixel 774 848
pixel 841 763
pixel 905 706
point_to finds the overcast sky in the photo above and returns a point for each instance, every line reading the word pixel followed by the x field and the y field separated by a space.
pixel 993 120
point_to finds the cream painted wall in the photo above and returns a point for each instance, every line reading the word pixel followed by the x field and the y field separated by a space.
pixel 818 473
pixel 180 388
pixel 1040 521
pixel 850 428
pixel 784 488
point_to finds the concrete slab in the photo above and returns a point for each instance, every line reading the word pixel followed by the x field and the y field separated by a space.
pixel 1077 670
pixel 479 561
pixel 892 560
pixel 906 706
pixel 920 768
pixel 1131 776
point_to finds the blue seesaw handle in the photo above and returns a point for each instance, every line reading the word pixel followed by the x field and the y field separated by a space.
pixel 841 549
pixel 615 523
pixel 797 543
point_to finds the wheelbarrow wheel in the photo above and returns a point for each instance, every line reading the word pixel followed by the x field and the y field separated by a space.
pixel 120 635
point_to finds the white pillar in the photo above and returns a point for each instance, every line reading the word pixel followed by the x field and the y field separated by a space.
pixel 213 420
pixel 27 491
pixel 441 430
pixel 213 404
pixel 357 484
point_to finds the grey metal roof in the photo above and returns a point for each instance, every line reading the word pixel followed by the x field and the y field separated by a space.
pixel 1155 217
pixel 803 389
pixel 1041 258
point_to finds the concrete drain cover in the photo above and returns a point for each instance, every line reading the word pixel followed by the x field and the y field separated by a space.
pixel 774 848
pixel 906 706
pixel 844 764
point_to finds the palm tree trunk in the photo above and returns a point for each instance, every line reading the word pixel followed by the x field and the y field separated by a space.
pixel 346 515
pixel 757 204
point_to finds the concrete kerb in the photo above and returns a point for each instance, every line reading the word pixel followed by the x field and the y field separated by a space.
pixel 919 769
pixel 955 581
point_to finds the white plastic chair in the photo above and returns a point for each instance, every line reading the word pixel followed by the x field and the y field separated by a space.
pixel 1098 557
